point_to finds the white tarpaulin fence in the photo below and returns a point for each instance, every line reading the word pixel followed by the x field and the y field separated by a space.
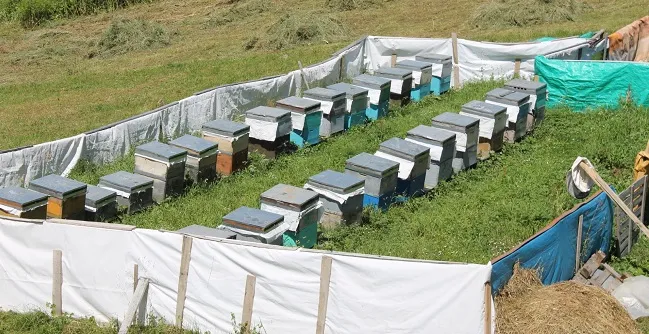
pixel 476 61
pixel 367 294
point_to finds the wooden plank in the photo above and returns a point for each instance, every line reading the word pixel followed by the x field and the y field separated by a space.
pixel 299 63
pixel 592 264
pixel 611 284
pixel 612 271
pixel 341 73
pixel 456 61
pixel 57 282
pixel 136 275
pixel 599 277
pixel 323 299
pixel 579 242
pixel 110 226
pixel 134 305
pixel 393 60
pixel 182 280
pixel 248 301
pixel 487 307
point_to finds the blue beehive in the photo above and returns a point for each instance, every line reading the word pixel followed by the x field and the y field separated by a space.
pixel 381 176
pixel 400 83
pixel 378 94
pixel 301 211
pixel 357 103
pixel 333 105
pixel 413 159
pixel 441 80
pixel 422 73
pixel 305 117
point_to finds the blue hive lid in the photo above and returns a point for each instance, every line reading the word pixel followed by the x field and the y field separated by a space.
pixel 483 108
pixel 403 149
pixel 371 81
pixel 21 198
pixel 434 58
pixel 58 186
pixel 126 182
pixel 195 146
pixel 431 134
pixel 298 104
pixel 366 163
pixel 414 65
pixel 226 128
pixel 456 120
pixel 251 219
pixel 268 114
pixel 204 231
pixel 96 195
pixel 160 151
pixel 323 94
pixel 394 73
pixel 350 90
pixel 337 182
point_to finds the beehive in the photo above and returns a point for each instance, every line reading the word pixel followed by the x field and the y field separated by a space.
pixel 466 131
pixel 422 73
pixel 305 118
pixel 23 203
pixel 332 106
pixel 378 94
pixel 341 196
pixel 381 176
pixel 493 123
pixel 101 204
pixel 165 164
pixel 270 130
pixel 413 159
pixel 442 152
pixel 357 103
pixel 134 191
pixel 441 71
pixel 518 107
pixel 201 158
pixel 538 98
pixel 232 138
pixel 256 225
pixel 67 197
pixel 400 83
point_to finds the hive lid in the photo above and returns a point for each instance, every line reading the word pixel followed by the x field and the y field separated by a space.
pixel 21 198
pixel 414 65
pixel 251 219
pixel 507 96
pixel 394 73
pixel 204 231
pixel 97 195
pixel 126 182
pixel 337 182
pixel 195 146
pixel 298 104
pixel 456 119
pixel 366 163
pixel 533 87
pixel 289 196
pixel 371 81
pixel 432 134
pixel 268 114
pixel 323 94
pixel 435 58
pixel 403 149
pixel 160 151
pixel 226 128
pixel 58 186
pixel 483 108
pixel 350 90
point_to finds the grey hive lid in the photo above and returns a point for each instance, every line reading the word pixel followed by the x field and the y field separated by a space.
pixel 97 195
pixel 126 182
pixel 403 149
pixel 226 128
pixel 289 196
pixel 195 146
pixel 414 65
pixel 456 119
pixel 268 114
pixel 20 197
pixel 507 96
pixel 394 73
pixel 57 186
pixel 432 134
pixel 252 219
pixel 298 104
pixel 160 151
pixel 205 231
pixel 483 108
pixel 532 87
pixel 350 90
pixel 372 164
pixel 371 81
pixel 337 182
pixel 435 58
pixel 324 94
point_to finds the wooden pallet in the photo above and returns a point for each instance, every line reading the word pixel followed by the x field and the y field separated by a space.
pixel 626 232
pixel 596 272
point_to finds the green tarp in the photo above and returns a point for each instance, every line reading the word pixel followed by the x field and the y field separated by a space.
pixel 587 84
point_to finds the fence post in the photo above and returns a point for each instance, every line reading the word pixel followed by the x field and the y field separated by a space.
pixel 456 62
pixel 57 282
pixel 517 68
pixel 393 60
pixel 248 301
pixel 325 279
pixel 487 307
pixel 578 248
pixel 182 279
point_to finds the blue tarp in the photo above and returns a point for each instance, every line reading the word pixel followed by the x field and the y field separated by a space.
pixel 552 251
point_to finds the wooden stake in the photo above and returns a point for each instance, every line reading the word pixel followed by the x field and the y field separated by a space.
pixel 456 62
pixel 578 252
pixel 613 196
pixel 487 308
pixel 325 280
pixel 248 301
pixel 536 78
pixel 517 68
pixel 134 304
pixel 182 280
pixel 299 63
pixel 136 276
pixel 57 282
pixel 341 74
pixel 393 60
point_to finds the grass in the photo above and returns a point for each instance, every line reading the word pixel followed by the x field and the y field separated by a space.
pixel 525 13
pixel 125 35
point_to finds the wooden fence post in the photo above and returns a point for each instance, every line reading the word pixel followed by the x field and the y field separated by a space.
pixel 393 60
pixel 325 279
pixel 139 296
pixel 487 307
pixel 182 279
pixel 517 68
pixel 57 282
pixel 136 275
pixel 456 62
pixel 248 301
pixel 578 249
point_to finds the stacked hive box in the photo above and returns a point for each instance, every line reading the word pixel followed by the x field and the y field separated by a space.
pixel 493 122
pixel 378 95
pixel 357 102
pixel 422 73
pixel 441 144
pixel 332 106
pixel 413 161
pixel 538 97
pixel 101 204
pixel 270 130
pixel 23 203
pixel 232 138
pixel 165 164
pixel 135 192
pixel 67 198
pixel 301 209
pixel 518 107
pixel 204 231
pixel 466 138
pixel 341 196
pixel 442 67
pixel 201 158
pixel 256 225
pixel 380 176
pixel 305 118
pixel 400 83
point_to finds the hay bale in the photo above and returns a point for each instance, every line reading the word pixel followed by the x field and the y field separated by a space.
pixel 522 13
pixel 304 28
pixel 526 306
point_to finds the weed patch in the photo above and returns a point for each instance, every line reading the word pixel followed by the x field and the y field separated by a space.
pixel 125 35
pixel 523 13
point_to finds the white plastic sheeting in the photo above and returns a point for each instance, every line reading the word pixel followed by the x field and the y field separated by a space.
pixel 367 294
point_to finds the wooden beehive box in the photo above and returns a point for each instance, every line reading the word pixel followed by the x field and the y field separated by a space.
pixel 270 130
pixel 23 203
pixel 67 197
pixel 201 157
pixel 134 191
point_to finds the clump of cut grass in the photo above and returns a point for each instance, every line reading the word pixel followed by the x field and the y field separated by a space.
pixel 125 35
pixel 345 5
pixel 239 11
pixel 304 28
pixel 523 13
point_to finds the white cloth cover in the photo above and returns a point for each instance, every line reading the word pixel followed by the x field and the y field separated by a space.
pixel 10 210
pixel 395 86
pixel 581 180
pixel 339 198
pixel 262 130
pixel 405 166
pixel 297 120
pixel 487 124
pixel 512 111
pixel 435 151
pixel 292 218
pixel 325 106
